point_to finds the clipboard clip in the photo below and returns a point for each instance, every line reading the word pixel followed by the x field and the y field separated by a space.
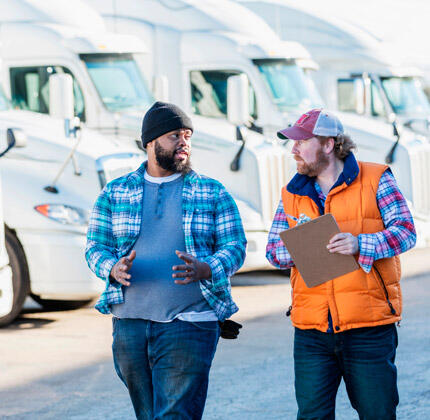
pixel 301 219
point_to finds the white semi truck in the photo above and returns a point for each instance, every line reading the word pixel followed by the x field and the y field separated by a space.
pixel 49 188
pixel 359 71
pixel 111 96
pixel 199 46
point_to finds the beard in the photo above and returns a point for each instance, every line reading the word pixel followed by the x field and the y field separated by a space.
pixel 314 168
pixel 166 160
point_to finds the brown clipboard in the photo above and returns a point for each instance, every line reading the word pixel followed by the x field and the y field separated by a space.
pixel 307 245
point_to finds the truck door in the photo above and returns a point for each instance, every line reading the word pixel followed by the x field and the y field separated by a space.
pixel 30 89
pixel 354 96
pixel 209 93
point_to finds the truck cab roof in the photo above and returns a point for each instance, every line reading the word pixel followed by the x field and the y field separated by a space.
pixel 53 39
pixel 76 13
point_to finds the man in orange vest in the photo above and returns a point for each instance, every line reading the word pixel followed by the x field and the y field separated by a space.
pixel 344 328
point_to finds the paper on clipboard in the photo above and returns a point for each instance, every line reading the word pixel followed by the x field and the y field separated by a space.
pixel 307 245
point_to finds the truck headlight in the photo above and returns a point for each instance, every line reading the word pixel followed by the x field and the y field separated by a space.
pixel 64 214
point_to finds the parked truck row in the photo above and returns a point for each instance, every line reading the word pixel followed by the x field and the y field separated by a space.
pixel 358 72
pixel 79 77
pixel 200 47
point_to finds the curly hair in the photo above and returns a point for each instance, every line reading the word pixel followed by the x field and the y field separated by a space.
pixel 343 145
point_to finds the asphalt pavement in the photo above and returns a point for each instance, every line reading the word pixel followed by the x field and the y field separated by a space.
pixel 57 365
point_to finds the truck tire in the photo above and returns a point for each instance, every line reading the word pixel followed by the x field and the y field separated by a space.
pixel 20 276
pixel 60 305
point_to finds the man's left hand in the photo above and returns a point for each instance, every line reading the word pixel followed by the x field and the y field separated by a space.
pixel 192 270
pixel 343 243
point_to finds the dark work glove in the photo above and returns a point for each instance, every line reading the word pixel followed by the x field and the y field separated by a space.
pixel 229 329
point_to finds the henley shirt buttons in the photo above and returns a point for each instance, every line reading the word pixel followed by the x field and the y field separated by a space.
pixel 158 210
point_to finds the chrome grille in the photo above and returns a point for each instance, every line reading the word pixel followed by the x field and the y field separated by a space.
pixel 113 166
pixel 278 170
pixel 420 165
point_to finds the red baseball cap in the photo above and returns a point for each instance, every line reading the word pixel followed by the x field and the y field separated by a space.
pixel 315 122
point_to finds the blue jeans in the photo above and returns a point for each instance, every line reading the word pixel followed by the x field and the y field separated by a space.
pixel 165 366
pixel 363 357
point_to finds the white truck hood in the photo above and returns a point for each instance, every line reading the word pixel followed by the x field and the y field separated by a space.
pixel 50 130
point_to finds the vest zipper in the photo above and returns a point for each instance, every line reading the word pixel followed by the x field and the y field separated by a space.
pixel 392 310
pixel 288 313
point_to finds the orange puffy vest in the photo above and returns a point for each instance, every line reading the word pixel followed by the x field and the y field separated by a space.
pixel 356 299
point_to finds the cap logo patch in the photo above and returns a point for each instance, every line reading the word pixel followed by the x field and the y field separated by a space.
pixel 302 119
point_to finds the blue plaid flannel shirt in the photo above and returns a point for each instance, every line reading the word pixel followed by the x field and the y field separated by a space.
pixel 212 227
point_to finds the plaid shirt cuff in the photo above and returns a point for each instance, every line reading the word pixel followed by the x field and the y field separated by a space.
pixel 219 282
pixel 105 268
pixel 367 243
pixel 276 252
pixel 217 270
pixel 278 255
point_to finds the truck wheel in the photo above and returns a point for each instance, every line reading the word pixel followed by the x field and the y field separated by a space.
pixel 20 277
pixel 60 305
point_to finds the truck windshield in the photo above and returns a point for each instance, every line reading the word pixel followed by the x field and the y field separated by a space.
pixel 290 87
pixel 118 81
pixel 4 103
pixel 406 95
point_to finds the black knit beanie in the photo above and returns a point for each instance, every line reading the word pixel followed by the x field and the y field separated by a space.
pixel 161 118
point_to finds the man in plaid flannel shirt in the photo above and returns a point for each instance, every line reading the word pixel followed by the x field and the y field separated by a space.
pixel 363 357
pixel 167 312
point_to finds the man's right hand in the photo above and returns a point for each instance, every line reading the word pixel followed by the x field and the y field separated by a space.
pixel 120 270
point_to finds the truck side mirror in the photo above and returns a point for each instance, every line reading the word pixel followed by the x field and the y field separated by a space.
pixel 61 101
pixel 161 88
pixel 238 99
pixel 350 95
